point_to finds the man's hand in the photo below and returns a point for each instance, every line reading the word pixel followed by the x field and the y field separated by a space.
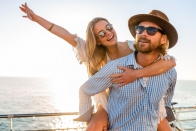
pixel 129 75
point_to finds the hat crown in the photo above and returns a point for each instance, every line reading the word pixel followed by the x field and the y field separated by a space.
pixel 159 14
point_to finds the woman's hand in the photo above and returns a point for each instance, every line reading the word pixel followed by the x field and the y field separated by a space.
pixel 129 75
pixel 29 13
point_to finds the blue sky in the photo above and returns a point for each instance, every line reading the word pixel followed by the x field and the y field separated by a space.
pixel 28 50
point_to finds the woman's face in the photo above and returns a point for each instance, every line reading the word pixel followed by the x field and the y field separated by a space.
pixel 105 34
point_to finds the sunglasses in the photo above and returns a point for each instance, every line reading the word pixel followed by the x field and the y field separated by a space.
pixel 102 33
pixel 150 30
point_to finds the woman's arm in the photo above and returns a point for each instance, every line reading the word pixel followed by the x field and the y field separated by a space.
pixel 130 75
pixel 55 29
pixel 156 68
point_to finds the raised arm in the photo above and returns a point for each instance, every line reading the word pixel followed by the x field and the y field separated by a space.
pixel 130 75
pixel 53 28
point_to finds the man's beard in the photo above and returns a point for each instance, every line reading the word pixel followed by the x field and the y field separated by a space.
pixel 148 49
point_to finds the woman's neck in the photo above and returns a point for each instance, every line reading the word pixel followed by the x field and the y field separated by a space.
pixel 113 52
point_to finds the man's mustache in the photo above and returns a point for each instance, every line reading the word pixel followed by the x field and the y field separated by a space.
pixel 143 39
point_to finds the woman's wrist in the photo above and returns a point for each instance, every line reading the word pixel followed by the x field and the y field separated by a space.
pixel 37 18
pixel 138 73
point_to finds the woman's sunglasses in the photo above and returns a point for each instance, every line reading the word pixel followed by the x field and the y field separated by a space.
pixel 150 30
pixel 102 33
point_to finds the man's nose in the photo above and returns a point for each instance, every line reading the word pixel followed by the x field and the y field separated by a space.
pixel 144 33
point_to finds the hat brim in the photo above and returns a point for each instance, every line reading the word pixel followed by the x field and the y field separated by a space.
pixel 165 26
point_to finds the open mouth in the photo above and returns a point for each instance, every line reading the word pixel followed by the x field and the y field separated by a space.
pixel 144 41
pixel 112 36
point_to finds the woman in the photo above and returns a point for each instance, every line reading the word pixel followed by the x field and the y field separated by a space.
pixel 100 47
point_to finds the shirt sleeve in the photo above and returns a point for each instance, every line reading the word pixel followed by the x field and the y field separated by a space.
pixel 95 84
pixel 99 81
pixel 169 95
pixel 80 50
pixel 170 92
pixel 167 57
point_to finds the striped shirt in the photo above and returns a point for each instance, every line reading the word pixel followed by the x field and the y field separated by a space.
pixel 133 107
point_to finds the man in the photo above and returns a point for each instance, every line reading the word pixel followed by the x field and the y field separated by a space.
pixel 135 105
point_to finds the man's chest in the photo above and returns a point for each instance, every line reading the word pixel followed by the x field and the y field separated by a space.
pixel 153 87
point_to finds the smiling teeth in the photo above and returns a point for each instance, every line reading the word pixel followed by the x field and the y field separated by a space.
pixel 143 41
pixel 111 37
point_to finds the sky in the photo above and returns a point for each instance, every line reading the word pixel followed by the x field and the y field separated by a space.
pixel 28 50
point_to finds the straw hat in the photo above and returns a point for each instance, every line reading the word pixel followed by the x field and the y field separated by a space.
pixel 158 18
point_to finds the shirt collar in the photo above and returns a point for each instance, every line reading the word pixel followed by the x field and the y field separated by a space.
pixel 131 61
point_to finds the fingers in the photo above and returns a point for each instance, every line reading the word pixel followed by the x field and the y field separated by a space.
pixel 121 84
pixel 26 10
pixel 26 6
pixel 105 128
pixel 117 80
pixel 120 81
pixel 23 8
pixel 115 76
pixel 122 68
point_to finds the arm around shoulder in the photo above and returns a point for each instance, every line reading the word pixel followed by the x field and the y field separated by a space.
pixel 156 68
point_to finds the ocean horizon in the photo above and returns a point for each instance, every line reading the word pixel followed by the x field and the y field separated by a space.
pixel 25 95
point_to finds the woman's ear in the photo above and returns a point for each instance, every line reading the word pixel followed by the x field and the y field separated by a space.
pixel 98 42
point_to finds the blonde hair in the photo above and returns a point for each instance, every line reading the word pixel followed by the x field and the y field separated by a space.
pixel 164 47
pixel 96 53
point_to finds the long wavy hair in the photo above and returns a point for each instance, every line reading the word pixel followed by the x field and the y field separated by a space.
pixel 164 48
pixel 95 52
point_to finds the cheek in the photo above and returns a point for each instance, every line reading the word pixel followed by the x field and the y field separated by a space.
pixel 102 40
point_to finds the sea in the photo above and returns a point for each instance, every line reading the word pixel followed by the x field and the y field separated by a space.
pixel 26 95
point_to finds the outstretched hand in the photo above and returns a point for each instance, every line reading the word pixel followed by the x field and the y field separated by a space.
pixel 29 13
pixel 129 75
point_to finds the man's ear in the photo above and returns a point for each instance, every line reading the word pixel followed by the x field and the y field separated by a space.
pixel 163 39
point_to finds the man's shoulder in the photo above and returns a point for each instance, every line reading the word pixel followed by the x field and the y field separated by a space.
pixel 172 71
pixel 172 74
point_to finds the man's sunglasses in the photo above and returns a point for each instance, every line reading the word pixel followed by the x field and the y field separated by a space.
pixel 102 33
pixel 150 30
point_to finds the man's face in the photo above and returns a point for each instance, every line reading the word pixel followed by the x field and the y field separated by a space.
pixel 146 43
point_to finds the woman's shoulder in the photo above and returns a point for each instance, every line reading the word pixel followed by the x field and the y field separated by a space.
pixel 127 44
pixel 79 41
pixel 80 49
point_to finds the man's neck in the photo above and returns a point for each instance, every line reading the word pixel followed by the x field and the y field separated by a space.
pixel 146 59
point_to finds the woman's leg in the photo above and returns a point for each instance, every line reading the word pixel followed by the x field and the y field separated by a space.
pixel 99 120
pixel 164 125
